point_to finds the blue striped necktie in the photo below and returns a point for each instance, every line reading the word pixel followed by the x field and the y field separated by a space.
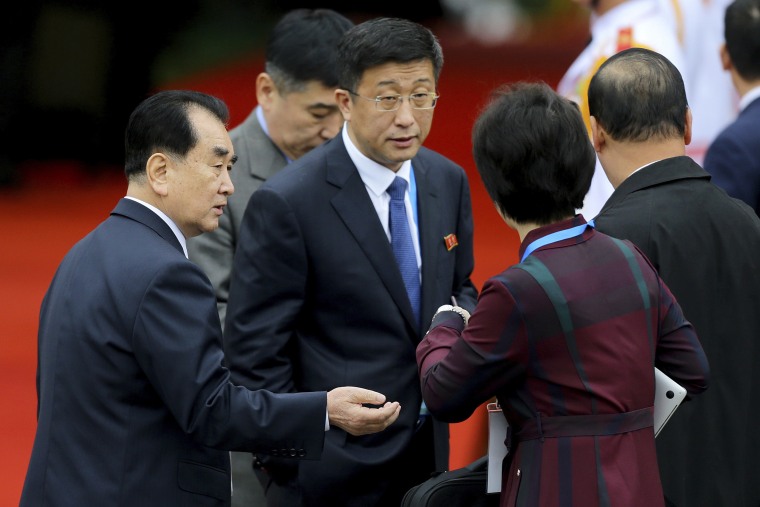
pixel 401 242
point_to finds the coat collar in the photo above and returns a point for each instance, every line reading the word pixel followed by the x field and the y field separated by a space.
pixel 663 171
pixel 139 213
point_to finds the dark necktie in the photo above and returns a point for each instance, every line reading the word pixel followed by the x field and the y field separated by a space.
pixel 401 242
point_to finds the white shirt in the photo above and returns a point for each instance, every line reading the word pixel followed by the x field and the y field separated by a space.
pixel 749 97
pixel 376 179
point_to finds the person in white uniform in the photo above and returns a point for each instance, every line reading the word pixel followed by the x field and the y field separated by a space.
pixel 617 25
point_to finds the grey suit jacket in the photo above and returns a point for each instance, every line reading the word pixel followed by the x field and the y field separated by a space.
pixel 135 407
pixel 258 159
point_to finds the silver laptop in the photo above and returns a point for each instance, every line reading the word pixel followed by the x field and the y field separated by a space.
pixel 668 395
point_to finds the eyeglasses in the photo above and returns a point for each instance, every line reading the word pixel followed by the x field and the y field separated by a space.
pixel 425 100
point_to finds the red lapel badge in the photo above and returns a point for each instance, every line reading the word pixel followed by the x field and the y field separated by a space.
pixel 450 241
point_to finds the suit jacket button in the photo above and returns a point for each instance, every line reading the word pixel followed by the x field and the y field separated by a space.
pixel 293 453
pixel 301 453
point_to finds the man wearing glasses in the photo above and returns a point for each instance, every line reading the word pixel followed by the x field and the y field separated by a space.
pixel 343 259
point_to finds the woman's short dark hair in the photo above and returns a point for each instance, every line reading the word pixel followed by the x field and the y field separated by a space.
pixel 161 123
pixel 533 153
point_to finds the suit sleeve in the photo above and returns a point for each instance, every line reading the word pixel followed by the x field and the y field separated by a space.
pixel 177 342
pixel 460 368
pixel 679 353
pixel 266 295
pixel 727 161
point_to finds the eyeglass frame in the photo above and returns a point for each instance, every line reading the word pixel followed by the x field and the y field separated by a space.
pixel 399 98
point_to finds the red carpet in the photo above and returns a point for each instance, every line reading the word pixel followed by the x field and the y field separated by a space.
pixel 58 204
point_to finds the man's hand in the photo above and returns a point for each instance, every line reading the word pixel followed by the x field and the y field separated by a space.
pixel 346 410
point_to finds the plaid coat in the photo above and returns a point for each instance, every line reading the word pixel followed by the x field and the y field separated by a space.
pixel 593 355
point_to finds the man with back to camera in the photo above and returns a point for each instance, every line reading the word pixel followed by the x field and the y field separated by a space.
pixel 296 112
pixel 134 405
pixel 344 257
pixel 704 245
pixel 733 159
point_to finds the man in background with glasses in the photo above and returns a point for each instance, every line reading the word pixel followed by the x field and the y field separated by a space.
pixel 343 259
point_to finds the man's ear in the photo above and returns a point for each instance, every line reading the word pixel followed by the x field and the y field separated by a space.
pixel 265 90
pixel 343 98
pixel 725 58
pixel 687 127
pixel 598 135
pixel 157 170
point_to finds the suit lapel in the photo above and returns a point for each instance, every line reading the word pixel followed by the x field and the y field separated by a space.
pixel 429 227
pixel 269 159
pixel 354 207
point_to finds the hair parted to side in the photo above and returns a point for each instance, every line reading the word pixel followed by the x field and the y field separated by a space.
pixel 742 34
pixel 383 40
pixel 161 123
pixel 302 48
pixel 533 153
pixel 638 95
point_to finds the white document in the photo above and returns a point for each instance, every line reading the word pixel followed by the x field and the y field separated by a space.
pixel 497 451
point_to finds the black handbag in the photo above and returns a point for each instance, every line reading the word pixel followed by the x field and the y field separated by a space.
pixel 463 487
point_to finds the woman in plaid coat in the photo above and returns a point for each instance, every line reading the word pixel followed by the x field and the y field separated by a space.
pixel 567 340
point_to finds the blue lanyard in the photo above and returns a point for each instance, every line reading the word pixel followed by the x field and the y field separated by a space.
pixel 556 236
pixel 413 193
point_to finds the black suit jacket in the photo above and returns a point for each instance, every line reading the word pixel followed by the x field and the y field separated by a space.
pixel 317 300
pixel 135 407
pixel 733 158
pixel 706 246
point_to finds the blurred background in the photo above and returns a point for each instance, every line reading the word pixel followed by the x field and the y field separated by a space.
pixel 71 72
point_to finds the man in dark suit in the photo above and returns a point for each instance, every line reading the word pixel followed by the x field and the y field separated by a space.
pixel 705 246
pixel 135 407
pixel 318 297
pixel 733 159
pixel 296 112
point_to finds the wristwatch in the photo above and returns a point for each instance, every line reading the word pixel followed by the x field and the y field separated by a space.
pixel 457 309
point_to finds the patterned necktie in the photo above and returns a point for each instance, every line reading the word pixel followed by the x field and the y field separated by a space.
pixel 401 242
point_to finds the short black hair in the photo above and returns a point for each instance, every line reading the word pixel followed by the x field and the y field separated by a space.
pixel 742 34
pixel 302 48
pixel 383 40
pixel 637 95
pixel 533 153
pixel 161 123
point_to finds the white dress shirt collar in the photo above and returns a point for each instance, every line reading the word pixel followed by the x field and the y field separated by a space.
pixel 376 177
pixel 165 218
pixel 749 97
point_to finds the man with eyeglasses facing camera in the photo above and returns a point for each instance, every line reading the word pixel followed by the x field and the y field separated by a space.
pixel 317 296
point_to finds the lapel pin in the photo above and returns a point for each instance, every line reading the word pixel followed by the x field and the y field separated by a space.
pixel 450 241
